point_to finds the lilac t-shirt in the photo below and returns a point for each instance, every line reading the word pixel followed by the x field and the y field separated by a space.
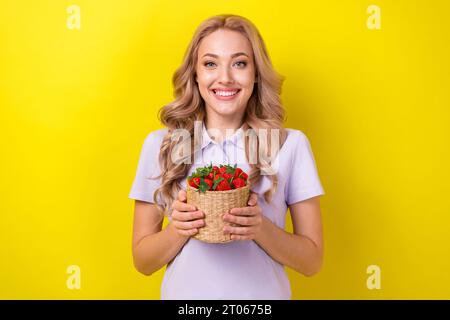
pixel 238 269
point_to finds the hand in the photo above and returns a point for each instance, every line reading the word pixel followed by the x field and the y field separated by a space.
pixel 185 217
pixel 248 218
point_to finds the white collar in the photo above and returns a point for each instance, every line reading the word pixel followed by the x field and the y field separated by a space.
pixel 236 139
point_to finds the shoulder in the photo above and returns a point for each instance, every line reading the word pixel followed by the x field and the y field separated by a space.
pixel 294 133
pixel 295 138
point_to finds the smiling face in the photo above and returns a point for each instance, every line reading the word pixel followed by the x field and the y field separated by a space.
pixel 225 73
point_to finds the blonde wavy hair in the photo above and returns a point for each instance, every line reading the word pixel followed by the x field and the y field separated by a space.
pixel 264 109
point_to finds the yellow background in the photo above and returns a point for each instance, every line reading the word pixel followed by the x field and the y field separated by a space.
pixel 76 106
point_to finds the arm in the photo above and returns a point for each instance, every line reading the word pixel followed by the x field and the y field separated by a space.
pixel 302 250
pixel 153 248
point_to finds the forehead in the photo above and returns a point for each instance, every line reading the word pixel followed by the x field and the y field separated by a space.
pixel 224 43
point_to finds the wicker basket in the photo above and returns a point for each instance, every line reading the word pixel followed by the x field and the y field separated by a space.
pixel 214 204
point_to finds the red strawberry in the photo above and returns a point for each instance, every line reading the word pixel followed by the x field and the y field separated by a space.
pixel 243 175
pixel 223 185
pixel 194 182
pixel 237 172
pixel 226 175
pixel 210 176
pixel 222 169
pixel 210 183
pixel 238 183
pixel 215 169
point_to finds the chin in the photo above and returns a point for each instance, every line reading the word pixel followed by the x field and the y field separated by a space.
pixel 226 112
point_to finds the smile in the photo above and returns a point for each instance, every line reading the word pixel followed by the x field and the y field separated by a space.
pixel 225 94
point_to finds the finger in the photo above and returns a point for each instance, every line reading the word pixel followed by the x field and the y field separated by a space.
pixel 187 215
pixel 253 199
pixel 239 237
pixel 244 211
pixel 182 195
pixel 243 221
pixel 182 206
pixel 237 230
pixel 186 225
pixel 188 233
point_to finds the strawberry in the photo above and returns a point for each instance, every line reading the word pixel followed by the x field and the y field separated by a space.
pixel 210 176
pixel 226 175
pixel 205 185
pixel 238 183
pixel 215 169
pixel 223 185
pixel 243 175
pixel 237 172
pixel 194 182
pixel 209 182
pixel 217 180
pixel 222 169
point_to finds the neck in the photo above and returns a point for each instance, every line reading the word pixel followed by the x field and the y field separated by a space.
pixel 222 124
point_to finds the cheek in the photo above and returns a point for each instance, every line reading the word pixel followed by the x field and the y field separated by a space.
pixel 205 79
pixel 246 79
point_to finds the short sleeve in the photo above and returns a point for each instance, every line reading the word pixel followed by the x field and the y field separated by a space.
pixel 148 167
pixel 303 181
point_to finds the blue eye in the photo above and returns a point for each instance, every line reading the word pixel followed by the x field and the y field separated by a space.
pixel 243 63
pixel 239 64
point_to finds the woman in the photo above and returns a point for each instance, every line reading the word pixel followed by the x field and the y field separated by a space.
pixel 227 81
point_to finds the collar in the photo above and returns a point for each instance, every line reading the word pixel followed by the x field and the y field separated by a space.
pixel 236 138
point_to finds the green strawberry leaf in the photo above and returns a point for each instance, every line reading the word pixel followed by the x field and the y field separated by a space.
pixel 202 172
pixel 203 186
pixel 216 182
pixel 230 170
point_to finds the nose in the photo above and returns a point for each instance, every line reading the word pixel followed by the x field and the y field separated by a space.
pixel 226 75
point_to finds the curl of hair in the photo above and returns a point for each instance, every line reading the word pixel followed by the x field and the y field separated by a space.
pixel 264 108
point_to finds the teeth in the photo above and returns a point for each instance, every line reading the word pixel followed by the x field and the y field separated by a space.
pixel 225 93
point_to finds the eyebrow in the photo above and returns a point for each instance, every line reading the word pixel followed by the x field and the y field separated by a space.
pixel 237 54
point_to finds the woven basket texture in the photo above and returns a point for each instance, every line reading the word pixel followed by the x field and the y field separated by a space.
pixel 214 204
